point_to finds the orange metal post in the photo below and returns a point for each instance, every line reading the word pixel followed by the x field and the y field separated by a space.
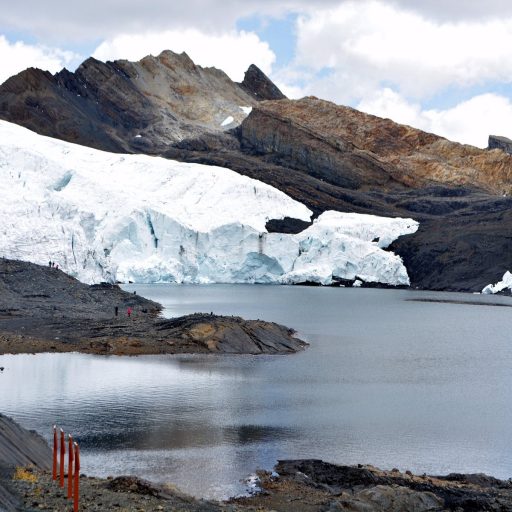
pixel 76 490
pixel 62 454
pixel 54 472
pixel 70 467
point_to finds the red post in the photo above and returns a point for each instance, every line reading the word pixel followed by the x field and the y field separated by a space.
pixel 70 467
pixel 76 490
pixel 54 472
pixel 62 454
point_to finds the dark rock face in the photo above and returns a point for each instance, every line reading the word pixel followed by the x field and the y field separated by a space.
pixel 290 144
pixel 259 85
pixel 18 447
pixel 21 447
pixel 498 142
pixel 57 313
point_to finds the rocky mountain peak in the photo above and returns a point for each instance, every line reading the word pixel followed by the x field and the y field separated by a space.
pixel 499 142
pixel 259 85
pixel 125 106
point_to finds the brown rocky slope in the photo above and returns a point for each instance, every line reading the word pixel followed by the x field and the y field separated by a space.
pixel 364 151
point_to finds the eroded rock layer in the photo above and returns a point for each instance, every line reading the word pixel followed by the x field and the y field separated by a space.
pixel 357 150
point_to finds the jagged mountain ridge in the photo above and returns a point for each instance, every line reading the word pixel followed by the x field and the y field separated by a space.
pixel 323 155
pixel 132 107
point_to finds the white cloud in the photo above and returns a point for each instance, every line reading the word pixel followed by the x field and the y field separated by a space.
pixel 97 20
pixel 456 10
pixel 232 51
pixel 15 57
pixel 93 20
pixel 469 122
pixel 366 44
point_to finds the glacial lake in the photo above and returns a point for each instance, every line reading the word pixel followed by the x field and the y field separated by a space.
pixel 386 380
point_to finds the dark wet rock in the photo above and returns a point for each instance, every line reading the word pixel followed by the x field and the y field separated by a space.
pixel 366 488
pixel 259 85
pixel 43 309
pixel 498 142
pixel 318 472
pixel 286 225
pixel 134 484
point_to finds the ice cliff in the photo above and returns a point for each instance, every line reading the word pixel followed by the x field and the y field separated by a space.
pixel 103 216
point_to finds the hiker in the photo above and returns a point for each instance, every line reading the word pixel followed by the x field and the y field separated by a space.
pixel 116 310
pixel 50 263
pixel 129 311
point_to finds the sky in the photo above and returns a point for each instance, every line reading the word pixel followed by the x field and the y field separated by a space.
pixel 444 66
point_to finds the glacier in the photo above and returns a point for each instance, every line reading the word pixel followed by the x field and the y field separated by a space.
pixel 111 217
pixel 504 284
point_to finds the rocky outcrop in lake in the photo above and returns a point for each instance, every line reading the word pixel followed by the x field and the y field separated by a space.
pixel 315 485
pixel 42 309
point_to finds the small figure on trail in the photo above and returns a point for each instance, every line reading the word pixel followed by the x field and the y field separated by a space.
pixel 129 311
pixel 57 267
pixel 116 310
pixel 50 263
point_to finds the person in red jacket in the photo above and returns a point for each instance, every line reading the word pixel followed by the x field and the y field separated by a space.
pixel 129 311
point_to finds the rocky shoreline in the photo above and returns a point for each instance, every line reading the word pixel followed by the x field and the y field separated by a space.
pixel 42 309
pixel 294 485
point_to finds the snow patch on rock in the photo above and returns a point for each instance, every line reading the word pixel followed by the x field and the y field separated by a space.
pixel 104 216
pixel 227 121
pixel 505 283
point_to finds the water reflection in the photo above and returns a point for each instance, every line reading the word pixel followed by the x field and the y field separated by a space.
pixel 420 386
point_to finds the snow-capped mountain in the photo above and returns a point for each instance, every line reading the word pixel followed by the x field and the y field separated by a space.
pixel 103 216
